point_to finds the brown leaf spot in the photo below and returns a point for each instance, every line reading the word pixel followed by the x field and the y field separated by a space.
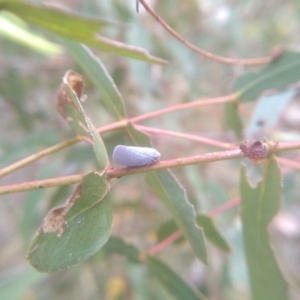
pixel 55 221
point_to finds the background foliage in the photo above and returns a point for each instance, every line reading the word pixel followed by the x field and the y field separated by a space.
pixel 33 63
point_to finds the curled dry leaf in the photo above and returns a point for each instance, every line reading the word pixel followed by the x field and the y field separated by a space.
pixel 56 218
pixel 76 83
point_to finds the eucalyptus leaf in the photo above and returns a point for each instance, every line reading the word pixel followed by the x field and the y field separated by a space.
pixel 267 113
pixel 258 206
pixel 25 37
pixel 210 230
pixel 171 193
pixel 78 120
pixel 175 285
pixel 171 281
pixel 277 75
pixel 82 29
pixel 75 231
pixel 97 72
pixel 232 119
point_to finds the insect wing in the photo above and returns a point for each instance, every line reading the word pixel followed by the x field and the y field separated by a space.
pixel 135 156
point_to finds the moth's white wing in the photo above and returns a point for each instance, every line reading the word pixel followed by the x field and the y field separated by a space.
pixel 135 156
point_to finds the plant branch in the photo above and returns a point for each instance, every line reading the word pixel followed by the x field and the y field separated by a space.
pixel 114 126
pixel 38 155
pixel 197 103
pixel 255 61
pixel 190 137
pixel 40 184
pixel 116 173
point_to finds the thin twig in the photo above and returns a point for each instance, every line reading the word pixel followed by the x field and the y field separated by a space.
pixel 255 61
pixel 40 184
pixel 165 243
pixel 116 173
pixel 189 137
pixel 181 106
pixel 114 126
pixel 38 155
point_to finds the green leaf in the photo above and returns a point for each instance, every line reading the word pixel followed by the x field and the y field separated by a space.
pixel 75 231
pixel 268 111
pixel 232 119
pixel 277 75
pixel 15 286
pixel 24 36
pixel 212 233
pixel 210 230
pixel 97 72
pixel 259 206
pixel 171 281
pixel 118 246
pixel 168 278
pixel 57 21
pixel 77 28
pixel 171 193
pixel 77 117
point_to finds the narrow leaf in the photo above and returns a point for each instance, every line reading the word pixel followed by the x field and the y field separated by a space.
pixel 75 231
pixel 210 230
pixel 25 37
pixel 97 72
pixel 232 119
pixel 82 29
pixel 57 21
pixel 259 206
pixel 268 111
pixel 69 106
pixel 171 193
pixel 212 233
pixel 171 281
pixel 277 75
pixel 118 246
pixel 175 285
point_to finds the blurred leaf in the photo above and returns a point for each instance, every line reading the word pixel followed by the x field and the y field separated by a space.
pixel 14 95
pixel 118 246
pixel 268 111
pixel 97 72
pixel 232 119
pixel 74 232
pixel 74 27
pixel 18 149
pixel 58 21
pixel 73 112
pixel 277 75
pixel 171 281
pixel 170 192
pixel 14 286
pixel 211 232
pixel 25 37
pixel 168 278
pixel 259 206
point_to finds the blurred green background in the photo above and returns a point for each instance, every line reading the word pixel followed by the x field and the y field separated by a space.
pixel 29 122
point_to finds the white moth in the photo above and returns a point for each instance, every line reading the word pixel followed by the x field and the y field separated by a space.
pixel 135 156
